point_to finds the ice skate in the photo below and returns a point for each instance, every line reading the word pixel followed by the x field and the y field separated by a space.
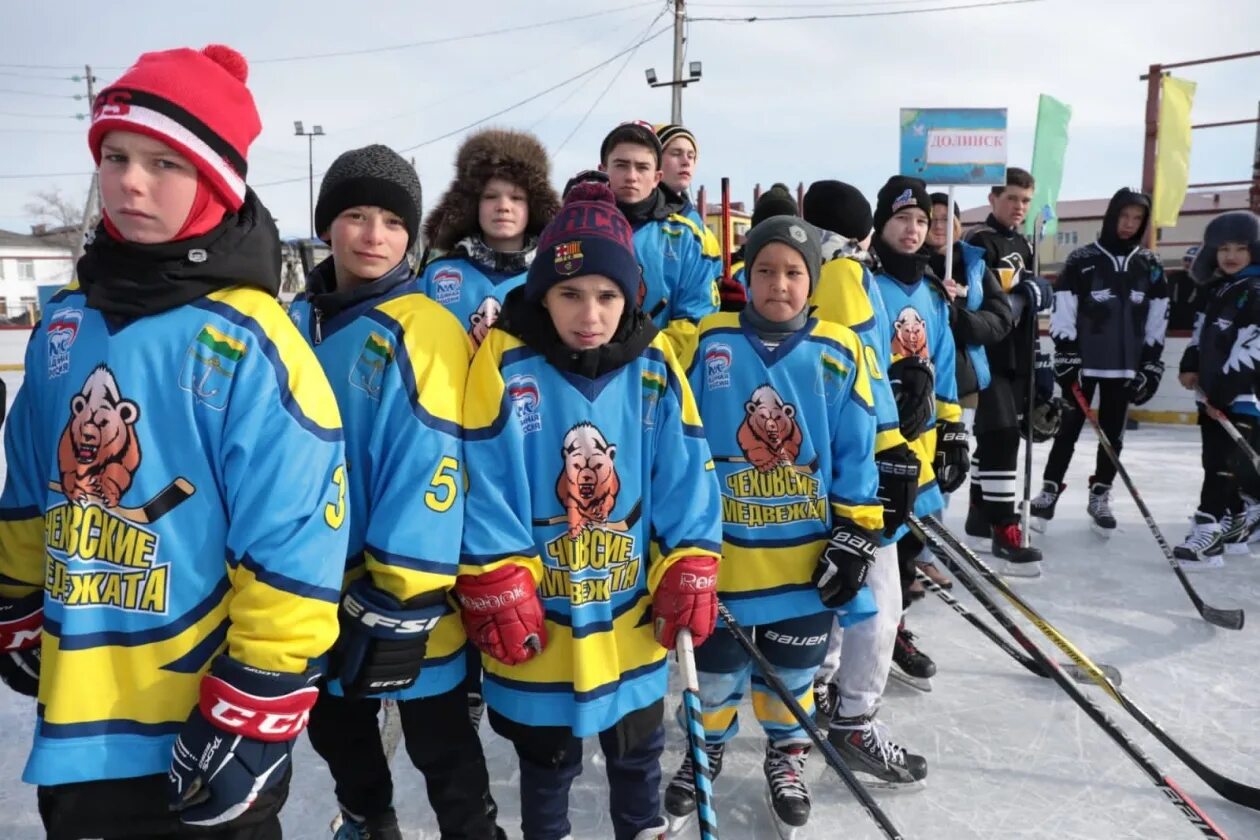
pixel 911 665
pixel 1202 547
pixel 659 831
pixel 1021 560
pixel 786 793
pixel 680 793
pixel 1043 504
pixel 867 750
pixel 1234 534
pixel 1102 520
pixel 383 826
pixel 1251 515
pixel 476 708
pixel 826 696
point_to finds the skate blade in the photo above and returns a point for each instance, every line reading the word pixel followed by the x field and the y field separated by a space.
pixel 785 831
pixel 1201 565
pixel 1027 571
pixel 677 825
pixel 1237 549
pixel 874 782
pixel 1038 524
pixel 923 684
pixel 1103 533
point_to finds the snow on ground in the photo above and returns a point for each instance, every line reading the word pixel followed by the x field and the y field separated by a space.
pixel 1010 755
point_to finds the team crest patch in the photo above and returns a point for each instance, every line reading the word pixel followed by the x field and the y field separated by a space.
pixel 653 390
pixel 831 376
pixel 717 366
pixel 569 258
pixel 368 372
pixel 63 329
pixel 448 285
pixel 210 365
pixel 906 199
pixel 526 402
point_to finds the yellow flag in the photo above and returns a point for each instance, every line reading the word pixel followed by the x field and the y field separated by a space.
pixel 1172 162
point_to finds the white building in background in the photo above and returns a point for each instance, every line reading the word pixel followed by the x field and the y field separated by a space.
pixel 26 262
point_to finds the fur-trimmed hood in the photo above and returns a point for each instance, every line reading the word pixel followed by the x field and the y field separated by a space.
pixel 515 156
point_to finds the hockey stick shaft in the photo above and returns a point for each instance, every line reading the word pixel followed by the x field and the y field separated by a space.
pixel 1231 430
pixel 1229 619
pixel 829 751
pixel 1025 508
pixel 1179 799
pixel 702 773
pixel 1232 790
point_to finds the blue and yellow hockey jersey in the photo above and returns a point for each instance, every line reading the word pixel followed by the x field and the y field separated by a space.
pixel 792 432
pixel 473 294
pixel 177 487
pixel 681 268
pixel 398 364
pixel 597 487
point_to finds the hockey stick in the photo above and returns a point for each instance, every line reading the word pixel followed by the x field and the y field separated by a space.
pixel 702 774
pixel 1230 789
pixel 1025 508
pixel 830 753
pixel 1229 619
pixel 167 499
pixel 1231 430
pixel 1073 670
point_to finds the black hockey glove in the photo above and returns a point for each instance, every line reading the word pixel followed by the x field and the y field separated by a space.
pixel 913 386
pixel 841 570
pixel 1067 367
pixel 382 641
pixel 953 460
pixel 237 740
pixel 1144 385
pixel 21 626
pixel 898 484
pixel 1037 291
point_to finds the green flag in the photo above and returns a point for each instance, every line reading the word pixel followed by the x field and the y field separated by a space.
pixel 1049 150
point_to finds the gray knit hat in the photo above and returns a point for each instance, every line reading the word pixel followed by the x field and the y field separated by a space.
pixel 374 176
pixel 794 232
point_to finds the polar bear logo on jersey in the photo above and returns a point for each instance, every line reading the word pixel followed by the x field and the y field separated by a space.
pixel 910 334
pixel 480 322
pixel 99 451
pixel 769 435
pixel 588 483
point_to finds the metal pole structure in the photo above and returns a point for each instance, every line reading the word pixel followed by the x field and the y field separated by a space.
pixel 680 24
pixel 1149 152
pixel 94 189
pixel 310 185
pixel 1255 170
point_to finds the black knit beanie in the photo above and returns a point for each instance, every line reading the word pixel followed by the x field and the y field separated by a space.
pixel 776 201
pixel 943 200
pixel 838 207
pixel 374 176
pixel 899 193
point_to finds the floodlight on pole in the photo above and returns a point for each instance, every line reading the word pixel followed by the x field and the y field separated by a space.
pixel 316 131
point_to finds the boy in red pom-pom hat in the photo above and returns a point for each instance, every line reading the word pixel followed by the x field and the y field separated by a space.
pixel 172 521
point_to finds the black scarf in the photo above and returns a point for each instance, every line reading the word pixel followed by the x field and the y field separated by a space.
pixel 531 323
pixel 657 207
pixel 321 287
pixel 907 268
pixel 128 280
pixel 503 262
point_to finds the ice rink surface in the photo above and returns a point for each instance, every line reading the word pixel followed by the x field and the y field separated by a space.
pixel 1009 755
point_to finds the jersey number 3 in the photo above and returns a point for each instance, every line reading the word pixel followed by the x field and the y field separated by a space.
pixel 335 512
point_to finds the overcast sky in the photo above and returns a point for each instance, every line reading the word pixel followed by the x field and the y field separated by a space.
pixel 789 101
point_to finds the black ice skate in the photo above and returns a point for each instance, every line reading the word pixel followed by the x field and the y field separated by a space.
pixel 1202 547
pixel 383 826
pixel 786 792
pixel 1021 560
pixel 866 748
pixel 1042 506
pixel 680 793
pixel 826 698
pixel 909 664
pixel 1102 520
pixel 1234 533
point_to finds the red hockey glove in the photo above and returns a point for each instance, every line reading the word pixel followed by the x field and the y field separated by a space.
pixel 502 613
pixel 686 597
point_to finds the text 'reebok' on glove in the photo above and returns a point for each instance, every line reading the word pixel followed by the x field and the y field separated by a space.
pixel 686 597
pixel 502 613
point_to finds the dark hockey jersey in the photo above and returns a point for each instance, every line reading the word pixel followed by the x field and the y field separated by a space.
pixel 1225 347
pixel 1008 253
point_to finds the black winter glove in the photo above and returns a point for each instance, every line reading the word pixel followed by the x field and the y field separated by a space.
pixel 953 458
pixel 1144 385
pixel 1067 367
pixel 914 387
pixel 1037 291
pixel 898 484
pixel 841 570
pixel 382 642
pixel 21 626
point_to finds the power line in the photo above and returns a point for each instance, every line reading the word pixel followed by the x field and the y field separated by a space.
pixel 43 116
pixel 766 5
pixel 39 94
pixel 33 175
pixel 768 18
pixel 35 77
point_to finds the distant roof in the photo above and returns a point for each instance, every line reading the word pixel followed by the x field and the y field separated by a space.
pixel 1207 201
pixel 8 237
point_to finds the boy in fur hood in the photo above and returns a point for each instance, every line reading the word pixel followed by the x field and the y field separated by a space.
pixel 486 226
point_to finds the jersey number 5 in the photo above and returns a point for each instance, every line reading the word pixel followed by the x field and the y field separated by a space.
pixel 443 487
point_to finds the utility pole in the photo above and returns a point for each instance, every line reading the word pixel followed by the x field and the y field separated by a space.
pixel 93 201
pixel 693 69
pixel 316 131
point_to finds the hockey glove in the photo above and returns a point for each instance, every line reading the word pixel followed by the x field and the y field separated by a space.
pixel 1067 367
pixel 1143 386
pixel 898 484
pixel 21 625
pixel 847 557
pixel 913 384
pixel 953 460
pixel 1037 291
pixel 237 740
pixel 382 641
pixel 686 597
pixel 502 613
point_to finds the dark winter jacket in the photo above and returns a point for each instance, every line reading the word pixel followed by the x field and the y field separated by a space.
pixel 1225 347
pixel 1111 300
pixel 1008 254
pixel 980 318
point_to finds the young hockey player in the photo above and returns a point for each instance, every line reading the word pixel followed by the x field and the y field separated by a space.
pixel 486 226
pixel 679 266
pixel 1110 317
pixel 776 201
pixel 788 412
pixel 679 153
pixel 593 521
pixel 854 673
pixel 398 363
pixel 1220 363
pixel 991 515
pixel 182 599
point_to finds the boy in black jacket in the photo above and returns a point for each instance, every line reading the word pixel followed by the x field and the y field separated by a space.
pixel 1220 363
pixel 1110 317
